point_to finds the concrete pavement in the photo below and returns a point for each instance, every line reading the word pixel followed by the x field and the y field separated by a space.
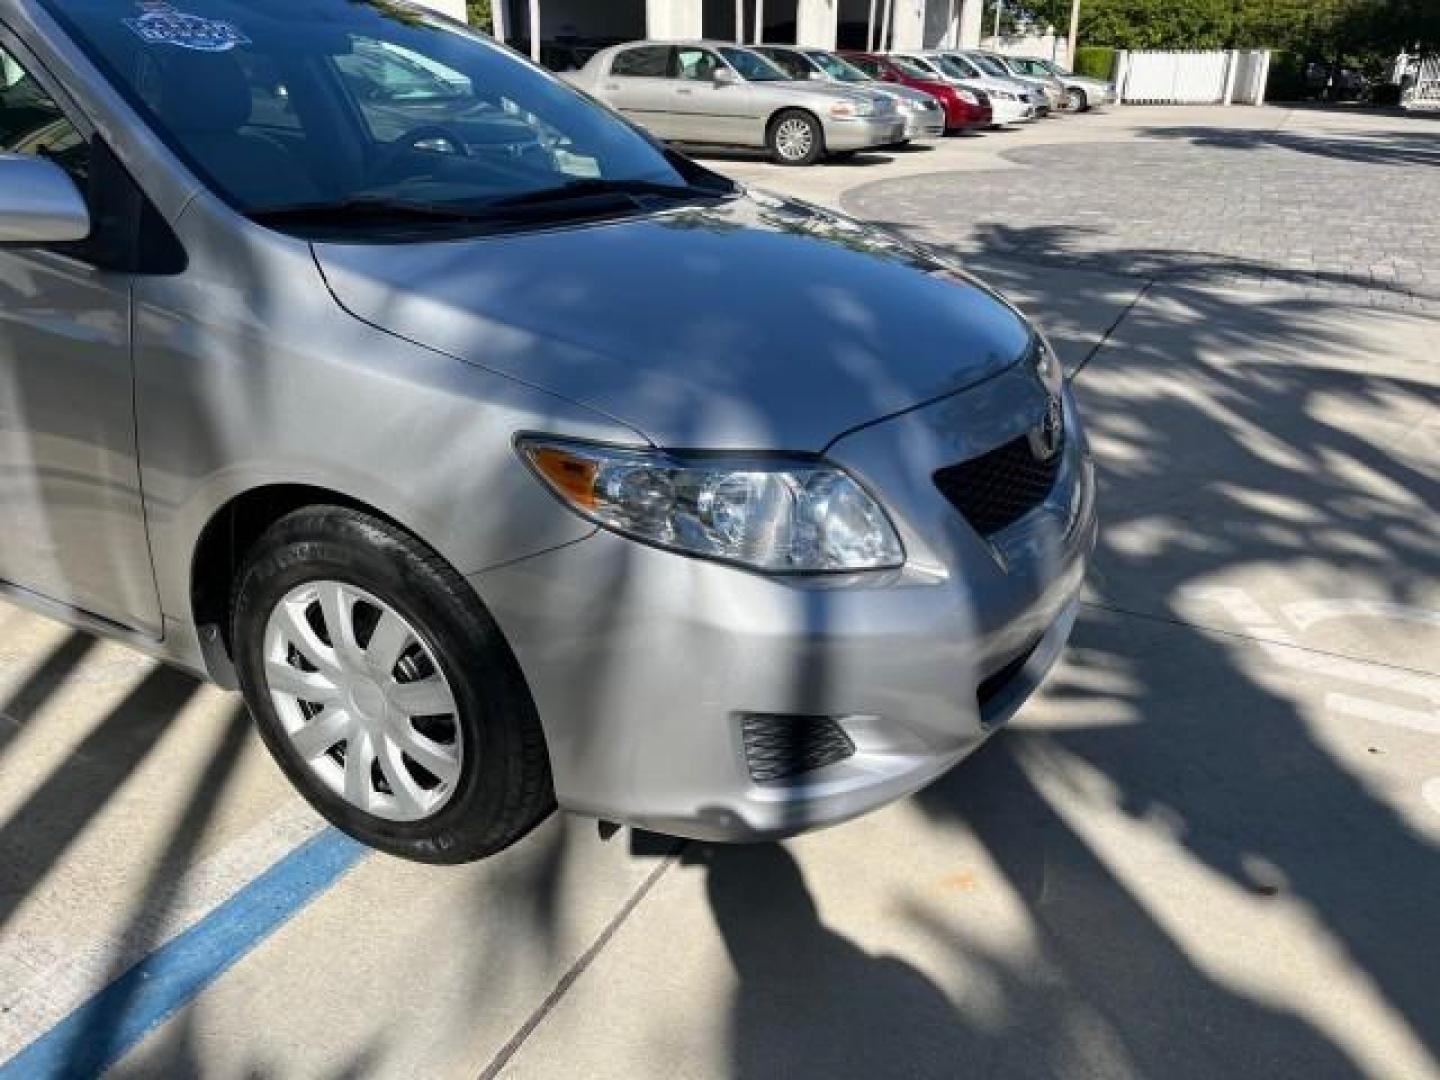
pixel 1210 847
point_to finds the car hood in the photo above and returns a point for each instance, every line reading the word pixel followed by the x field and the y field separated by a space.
pixel 756 323
pixel 903 93
pixel 828 92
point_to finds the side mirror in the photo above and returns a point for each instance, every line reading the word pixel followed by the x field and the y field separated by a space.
pixel 39 203
pixel 725 76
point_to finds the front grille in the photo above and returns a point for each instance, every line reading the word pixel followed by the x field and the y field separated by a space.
pixel 778 747
pixel 997 489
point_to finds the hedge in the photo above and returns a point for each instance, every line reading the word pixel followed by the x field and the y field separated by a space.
pixel 1095 61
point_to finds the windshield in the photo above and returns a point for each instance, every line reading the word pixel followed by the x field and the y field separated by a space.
pixel 838 69
pixel 752 66
pixel 989 65
pixel 912 69
pixel 1054 68
pixel 284 104
pixel 956 67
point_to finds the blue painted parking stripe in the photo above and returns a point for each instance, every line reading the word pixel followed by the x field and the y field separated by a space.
pixel 101 1031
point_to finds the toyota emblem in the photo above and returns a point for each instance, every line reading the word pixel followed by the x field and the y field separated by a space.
pixel 1048 436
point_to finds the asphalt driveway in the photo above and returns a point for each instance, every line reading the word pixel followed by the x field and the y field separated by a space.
pixel 1210 847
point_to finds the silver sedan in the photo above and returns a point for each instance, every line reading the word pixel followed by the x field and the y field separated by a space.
pixel 501 457
pixel 924 115
pixel 711 93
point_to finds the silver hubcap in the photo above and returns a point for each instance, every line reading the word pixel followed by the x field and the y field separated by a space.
pixel 794 139
pixel 364 701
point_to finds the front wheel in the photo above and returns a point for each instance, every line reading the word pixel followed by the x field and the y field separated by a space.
pixel 385 691
pixel 1076 100
pixel 796 138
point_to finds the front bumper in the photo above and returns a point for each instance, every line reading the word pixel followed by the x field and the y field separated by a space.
pixel 861 133
pixel 1009 111
pixel 644 664
pixel 925 125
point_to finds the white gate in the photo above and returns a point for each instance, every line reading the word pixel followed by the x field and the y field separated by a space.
pixel 1424 92
pixel 1217 77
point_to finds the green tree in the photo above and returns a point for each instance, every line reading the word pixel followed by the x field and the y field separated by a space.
pixel 1157 24
pixel 479 14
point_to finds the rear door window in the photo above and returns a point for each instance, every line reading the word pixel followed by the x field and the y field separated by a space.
pixel 646 62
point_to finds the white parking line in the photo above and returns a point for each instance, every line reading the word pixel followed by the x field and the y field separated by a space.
pixel 1284 647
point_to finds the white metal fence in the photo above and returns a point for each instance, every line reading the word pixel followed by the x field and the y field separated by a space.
pixel 1422 75
pixel 1218 77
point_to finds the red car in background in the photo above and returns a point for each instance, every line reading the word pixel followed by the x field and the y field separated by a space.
pixel 966 109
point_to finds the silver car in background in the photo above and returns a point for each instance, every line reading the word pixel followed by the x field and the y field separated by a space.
pixel 1081 92
pixel 924 116
pixel 715 94
pixel 1011 101
pixel 1044 80
pixel 503 470
pixel 1046 93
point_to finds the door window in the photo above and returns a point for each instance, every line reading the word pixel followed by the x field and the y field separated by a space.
pixel 646 62
pixel 792 63
pixel 696 65
pixel 31 123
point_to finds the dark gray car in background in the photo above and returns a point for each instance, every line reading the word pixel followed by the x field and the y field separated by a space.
pixel 506 459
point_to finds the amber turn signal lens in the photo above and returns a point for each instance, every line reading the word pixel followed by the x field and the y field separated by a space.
pixel 572 476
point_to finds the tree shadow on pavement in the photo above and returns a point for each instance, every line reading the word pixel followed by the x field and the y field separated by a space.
pixel 1388 147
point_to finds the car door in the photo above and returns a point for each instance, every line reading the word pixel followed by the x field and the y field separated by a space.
pixel 72 527
pixel 638 85
pixel 708 111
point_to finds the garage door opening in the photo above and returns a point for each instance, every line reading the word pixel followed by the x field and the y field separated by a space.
pixel 780 18
pixel 855 30
pixel 724 20
pixel 572 31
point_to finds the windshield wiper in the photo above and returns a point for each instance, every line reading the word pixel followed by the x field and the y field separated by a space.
pixel 592 187
pixel 364 209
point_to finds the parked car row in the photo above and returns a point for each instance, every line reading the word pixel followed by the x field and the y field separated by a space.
pixel 806 104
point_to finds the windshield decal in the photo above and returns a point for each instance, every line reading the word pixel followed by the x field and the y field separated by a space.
pixel 161 24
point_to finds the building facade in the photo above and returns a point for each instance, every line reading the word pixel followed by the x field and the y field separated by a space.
pixel 827 24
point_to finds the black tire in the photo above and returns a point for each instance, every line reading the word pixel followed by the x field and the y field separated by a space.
pixel 505 788
pixel 1077 100
pixel 780 124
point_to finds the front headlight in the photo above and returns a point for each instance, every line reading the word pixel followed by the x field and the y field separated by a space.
pixel 1004 95
pixel 966 96
pixel 852 108
pixel 776 515
pixel 1047 364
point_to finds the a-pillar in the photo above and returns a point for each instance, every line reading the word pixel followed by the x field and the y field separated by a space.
pixel 674 20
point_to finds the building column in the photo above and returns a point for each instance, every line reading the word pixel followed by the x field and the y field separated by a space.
pixel 907 25
pixel 972 15
pixel 817 23
pixel 672 20
pixel 454 8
